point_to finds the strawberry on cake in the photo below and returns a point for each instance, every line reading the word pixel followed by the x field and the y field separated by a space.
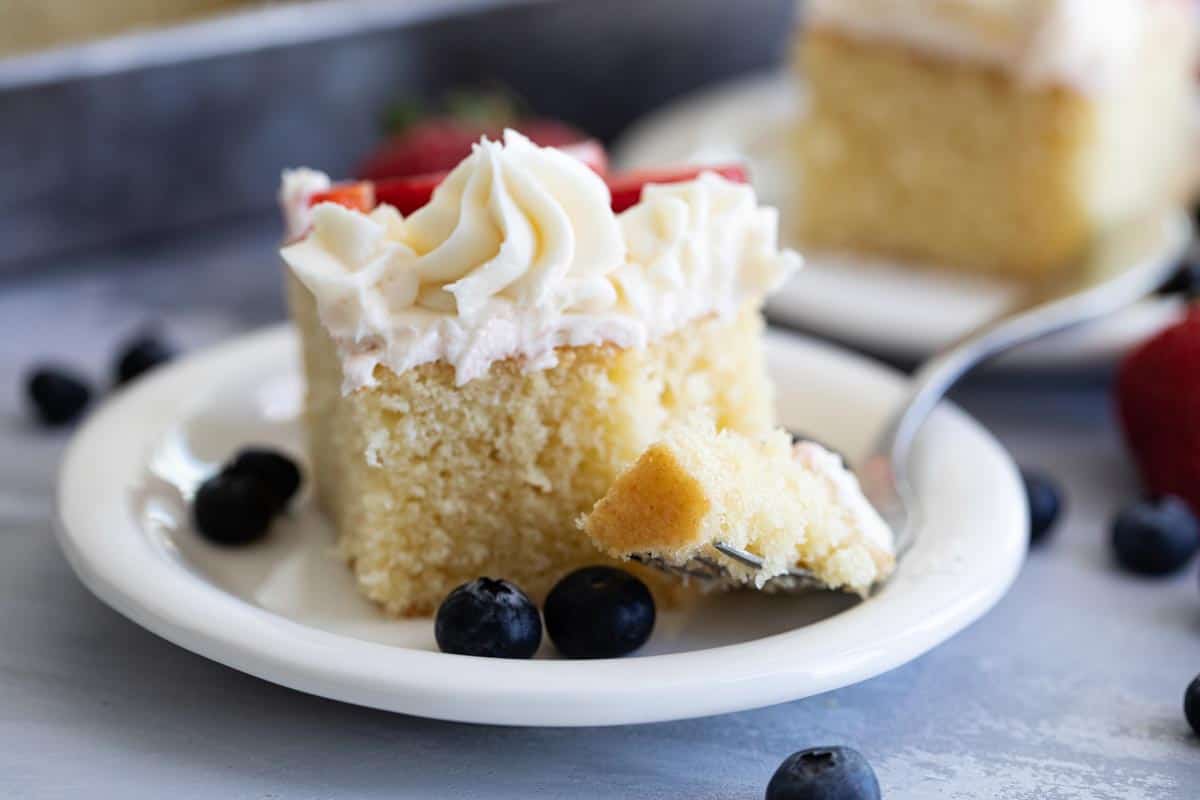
pixel 486 350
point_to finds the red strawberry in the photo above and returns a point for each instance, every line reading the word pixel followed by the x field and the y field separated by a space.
pixel 430 146
pixel 408 194
pixel 548 132
pixel 359 195
pixel 439 143
pixel 1158 401
pixel 411 192
pixel 626 188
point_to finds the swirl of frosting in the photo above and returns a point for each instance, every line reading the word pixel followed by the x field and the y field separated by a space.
pixel 516 221
pixel 518 253
pixel 357 267
pixel 697 243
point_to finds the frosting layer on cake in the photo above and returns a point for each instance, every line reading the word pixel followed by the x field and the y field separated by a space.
pixel 1084 44
pixel 518 253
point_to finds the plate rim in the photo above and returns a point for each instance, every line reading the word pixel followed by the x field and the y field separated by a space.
pixel 178 605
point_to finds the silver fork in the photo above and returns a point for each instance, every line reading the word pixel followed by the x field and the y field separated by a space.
pixel 1126 265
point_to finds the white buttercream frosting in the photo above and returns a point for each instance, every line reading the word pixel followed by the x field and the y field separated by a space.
pixel 844 486
pixel 1085 44
pixel 295 192
pixel 518 253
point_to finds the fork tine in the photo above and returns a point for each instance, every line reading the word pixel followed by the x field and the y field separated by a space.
pixel 707 569
pixel 754 562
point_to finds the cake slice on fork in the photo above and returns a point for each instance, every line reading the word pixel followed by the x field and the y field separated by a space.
pixel 790 505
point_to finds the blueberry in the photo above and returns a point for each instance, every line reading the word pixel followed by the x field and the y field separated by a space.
pixel 58 395
pixel 1155 537
pixel 824 773
pixel 599 612
pixel 1044 496
pixel 143 353
pixel 233 508
pixel 272 469
pixel 490 618
pixel 1185 281
pixel 1191 704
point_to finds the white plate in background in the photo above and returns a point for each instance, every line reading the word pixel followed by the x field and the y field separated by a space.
pixel 886 308
pixel 286 609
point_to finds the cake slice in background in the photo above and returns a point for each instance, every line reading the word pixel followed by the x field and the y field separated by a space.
pixel 994 136
pixel 790 505
pixel 480 371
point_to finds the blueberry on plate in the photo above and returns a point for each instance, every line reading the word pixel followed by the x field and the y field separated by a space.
pixel 824 773
pixel 1044 496
pixel 58 395
pixel 233 508
pixel 1155 537
pixel 273 469
pixel 599 612
pixel 1191 704
pixel 490 618
pixel 141 354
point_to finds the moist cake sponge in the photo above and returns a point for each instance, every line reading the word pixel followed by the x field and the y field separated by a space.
pixel 791 506
pixel 960 164
pixel 431 484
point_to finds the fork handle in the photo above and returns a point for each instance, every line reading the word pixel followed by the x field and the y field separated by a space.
pixel 1070 306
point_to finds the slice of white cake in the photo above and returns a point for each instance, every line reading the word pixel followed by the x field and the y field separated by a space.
pixel 991 135
pixel 480 371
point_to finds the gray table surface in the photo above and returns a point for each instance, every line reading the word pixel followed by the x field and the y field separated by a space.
pixel 1070 689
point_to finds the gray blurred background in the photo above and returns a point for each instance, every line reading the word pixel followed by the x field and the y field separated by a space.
pixel 153 133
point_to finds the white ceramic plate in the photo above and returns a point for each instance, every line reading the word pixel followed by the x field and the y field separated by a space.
pixel 287 611
pixel 887 308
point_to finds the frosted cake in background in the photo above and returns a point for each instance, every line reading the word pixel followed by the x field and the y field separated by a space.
pixel 991 135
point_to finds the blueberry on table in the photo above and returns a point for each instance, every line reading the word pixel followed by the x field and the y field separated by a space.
pixel 1155 537
pixel 1045 503
pixel 273 469
pixel 824 773
pixel 599 612
pixel 141 355
pixel 490 618
pixel 1191 704
pixel 233 508
pixel 58 395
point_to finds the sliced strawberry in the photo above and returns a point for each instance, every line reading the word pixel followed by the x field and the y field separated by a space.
pixel 408 194
pixel 626 187
pixel 430 146
pixel 359 195
pixel 439 143
pixel 548 132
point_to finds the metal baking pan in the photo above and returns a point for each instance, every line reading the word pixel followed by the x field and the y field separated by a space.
pixel 153 132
